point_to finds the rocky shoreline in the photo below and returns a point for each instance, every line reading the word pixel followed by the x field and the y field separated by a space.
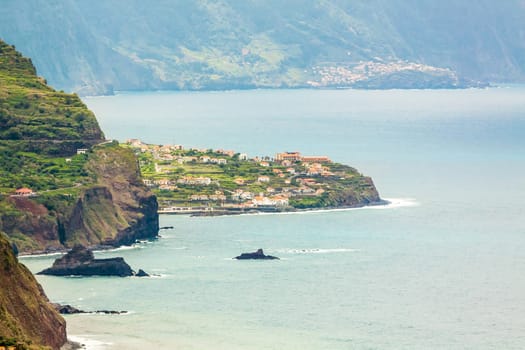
pixel 71 310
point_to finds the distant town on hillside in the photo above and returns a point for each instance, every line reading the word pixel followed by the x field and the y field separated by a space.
pixel 226 181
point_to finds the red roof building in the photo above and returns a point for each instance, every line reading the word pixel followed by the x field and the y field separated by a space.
pixel 24 191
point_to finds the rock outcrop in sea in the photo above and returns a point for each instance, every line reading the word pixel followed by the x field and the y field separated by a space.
pixel 257 255
pixel 80 261
pixel 71 310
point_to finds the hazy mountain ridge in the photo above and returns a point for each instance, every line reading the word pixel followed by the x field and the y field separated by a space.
pixel 177 44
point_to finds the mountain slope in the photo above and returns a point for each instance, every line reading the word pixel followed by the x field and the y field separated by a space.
pixel 204 44
pixel 25 313
pixel 32 112
pixel 85 190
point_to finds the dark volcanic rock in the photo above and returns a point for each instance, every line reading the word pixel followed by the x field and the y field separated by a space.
pixel 67 309
pixel 15 249
pixel 70 310
pixel 259 254
pixel 80 261
pixel 141 273
pixel 109 312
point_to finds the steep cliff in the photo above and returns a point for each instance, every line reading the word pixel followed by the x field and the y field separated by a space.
pixel 365 193
pixel 118 209
pixel 26 316
pixel 95 196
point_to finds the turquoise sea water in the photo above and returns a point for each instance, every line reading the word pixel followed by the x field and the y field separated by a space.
pixel 441 268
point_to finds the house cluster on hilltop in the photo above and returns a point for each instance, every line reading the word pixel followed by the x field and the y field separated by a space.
pixel 290 157
pixel 349 74
pixel 173 153
pixel 193 176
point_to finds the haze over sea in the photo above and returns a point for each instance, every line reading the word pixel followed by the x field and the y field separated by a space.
pixel 441 268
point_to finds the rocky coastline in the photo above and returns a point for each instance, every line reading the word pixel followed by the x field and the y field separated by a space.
pixel 71 310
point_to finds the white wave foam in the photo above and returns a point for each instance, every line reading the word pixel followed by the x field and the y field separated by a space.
pixel 139 245
pixel 95 313
pixel 22 256
pixel 318 250
pixel 159 269
pixel 392 203
pixel 396 203
pixel 88 343
pixel 126 247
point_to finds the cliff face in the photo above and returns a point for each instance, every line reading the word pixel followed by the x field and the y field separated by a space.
pixel 119 209
pixel 116 209
pixel 25 312
pixel 365 194
pixel 29 224
pixel 96 198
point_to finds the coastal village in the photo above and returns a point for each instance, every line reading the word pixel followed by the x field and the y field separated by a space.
pixel 225 181
pixel 352 73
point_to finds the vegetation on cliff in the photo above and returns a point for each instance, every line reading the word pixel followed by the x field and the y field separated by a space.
pixel 32 111
pixel 27 319
pixel 82 189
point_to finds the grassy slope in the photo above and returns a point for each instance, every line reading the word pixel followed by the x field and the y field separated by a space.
pixel 41 130
pixel 31 110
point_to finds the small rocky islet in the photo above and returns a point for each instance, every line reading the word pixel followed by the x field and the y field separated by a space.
pixel 257 255
pixel 80 261
pixel 71 310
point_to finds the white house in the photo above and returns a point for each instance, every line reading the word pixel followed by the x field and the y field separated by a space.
pixel 263 178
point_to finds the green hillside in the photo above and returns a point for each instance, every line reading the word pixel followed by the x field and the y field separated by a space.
pixel 39 128
pixel 31 110
pixel 79 188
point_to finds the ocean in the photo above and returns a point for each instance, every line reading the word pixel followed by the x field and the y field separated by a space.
pixel 441 267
